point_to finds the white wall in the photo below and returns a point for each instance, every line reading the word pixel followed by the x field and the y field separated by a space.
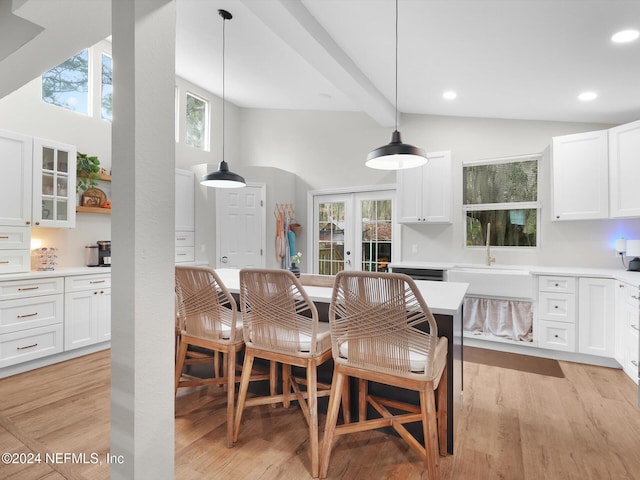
pixel 327 150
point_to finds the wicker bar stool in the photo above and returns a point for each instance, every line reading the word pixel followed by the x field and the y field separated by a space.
pixel 280 324
pixel 374 320
pixel 208 318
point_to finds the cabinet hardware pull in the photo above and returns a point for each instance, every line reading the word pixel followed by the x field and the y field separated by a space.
pixel 634 363
pixel 635 327
pixel 97 281
pixel 28 315
pixel 557 284
pixel 556 335
pixel 22 289
pixel 27 346
pixel 4 261
pixel 4 236
pixel 555 306
pixel 177 238
pixel 181 254
pixel 635 297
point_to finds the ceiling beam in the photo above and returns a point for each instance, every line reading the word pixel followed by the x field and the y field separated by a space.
pixel 294 24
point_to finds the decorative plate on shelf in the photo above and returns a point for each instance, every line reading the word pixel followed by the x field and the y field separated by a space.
pixel 93 197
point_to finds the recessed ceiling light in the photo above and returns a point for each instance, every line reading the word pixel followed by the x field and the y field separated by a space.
pixel 449 95
pixel 625 36
pixel 587 96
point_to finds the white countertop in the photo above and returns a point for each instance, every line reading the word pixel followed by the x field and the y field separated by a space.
pixel 58 272
pixel 632 278
pixel 442 297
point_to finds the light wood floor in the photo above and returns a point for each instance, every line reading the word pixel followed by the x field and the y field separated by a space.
pixel 512 426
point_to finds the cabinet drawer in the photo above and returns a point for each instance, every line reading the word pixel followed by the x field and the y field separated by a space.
pixel 15 238
pixel 185 254
pixel 185 239
pixel 557 284
pixel 30 344
pixel 33 287
pixel 559 307
pixel 15 261
pixel 87 282
pixel 24 313
pixel 631 358
pixel 557 336
pixel 631 295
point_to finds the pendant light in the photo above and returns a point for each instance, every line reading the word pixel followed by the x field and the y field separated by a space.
pixel 396 155
pixel 223 178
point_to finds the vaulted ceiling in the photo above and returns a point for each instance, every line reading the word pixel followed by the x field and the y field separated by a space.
pixel 520 59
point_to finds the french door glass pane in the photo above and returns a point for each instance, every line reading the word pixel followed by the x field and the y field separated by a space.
pixel 376 227
pixel 331 224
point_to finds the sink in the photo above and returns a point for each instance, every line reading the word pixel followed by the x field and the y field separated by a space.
pixel 494 282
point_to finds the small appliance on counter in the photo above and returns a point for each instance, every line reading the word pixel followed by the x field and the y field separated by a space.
pixel 91 255
pixel 104 253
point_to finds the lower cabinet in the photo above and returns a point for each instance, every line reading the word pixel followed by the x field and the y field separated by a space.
pixel 627 328
pixel 587 329
pixel 87 306
pixel 31 319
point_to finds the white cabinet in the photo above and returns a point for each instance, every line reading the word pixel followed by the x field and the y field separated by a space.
pixel 557 313
pixel 87 304
pixel 624 165
pixel 596 310
pixel 627 328
pixel 579 176
pixel 15 181
pixel 185 216
pixel 425 193
pixel 15 202
pixel 31 319
pixel 54 184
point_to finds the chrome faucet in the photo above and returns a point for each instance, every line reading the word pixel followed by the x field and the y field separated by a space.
pixel 490 259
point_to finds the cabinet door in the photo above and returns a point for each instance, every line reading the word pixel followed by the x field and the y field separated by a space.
pixel 624 165
pixel 424 193
pixel 15 181
pixel 409 193
pixel 596 322
pixel 80 319
pixel 185 192
pixel 579 176
pixel 54 184
pixel 103 301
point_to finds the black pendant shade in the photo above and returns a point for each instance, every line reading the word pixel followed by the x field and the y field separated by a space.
pixel 396 155
pixel 223 178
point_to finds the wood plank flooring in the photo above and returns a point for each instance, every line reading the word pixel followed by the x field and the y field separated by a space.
pixel 512 425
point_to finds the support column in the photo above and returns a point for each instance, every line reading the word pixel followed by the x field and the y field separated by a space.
pixel 143 149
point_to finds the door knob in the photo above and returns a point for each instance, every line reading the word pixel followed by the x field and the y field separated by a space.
pixel 224 259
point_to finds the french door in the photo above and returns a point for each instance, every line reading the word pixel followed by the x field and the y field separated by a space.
pixel 353 231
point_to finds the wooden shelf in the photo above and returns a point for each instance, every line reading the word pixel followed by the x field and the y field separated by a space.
pixel 103 211
pixel 101 176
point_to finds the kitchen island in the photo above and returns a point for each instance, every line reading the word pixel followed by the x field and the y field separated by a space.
pixel 445 301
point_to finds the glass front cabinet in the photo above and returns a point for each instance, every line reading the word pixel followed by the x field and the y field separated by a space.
pixel 54 181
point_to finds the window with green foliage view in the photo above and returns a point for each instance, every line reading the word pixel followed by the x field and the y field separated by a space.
pixel 196 127
pixel 504 193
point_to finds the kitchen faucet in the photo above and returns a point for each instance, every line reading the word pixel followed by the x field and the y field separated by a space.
pixel 490 259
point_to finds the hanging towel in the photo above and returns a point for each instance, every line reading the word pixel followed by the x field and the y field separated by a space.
pixel 292 243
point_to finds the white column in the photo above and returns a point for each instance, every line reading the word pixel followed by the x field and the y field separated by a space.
pixel 142 356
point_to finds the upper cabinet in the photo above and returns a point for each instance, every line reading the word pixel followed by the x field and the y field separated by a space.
pixel 15 181
pixel 54 184
pixel 579 176
pixel 624 164
pixel 425 193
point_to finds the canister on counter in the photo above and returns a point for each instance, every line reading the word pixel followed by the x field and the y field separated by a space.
pixel 91 255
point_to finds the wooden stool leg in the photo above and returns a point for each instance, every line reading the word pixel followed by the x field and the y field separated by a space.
pixel 273 379
pixel 442 413
pixel 337 386
pixel 286 385
pixel 230 358
pixel 312 402
pixel 362 399
pixel 430 429
pixel 242 395
pixel 182 354
pixel 346 402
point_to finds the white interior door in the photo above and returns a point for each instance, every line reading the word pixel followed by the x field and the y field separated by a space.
pixel 240 227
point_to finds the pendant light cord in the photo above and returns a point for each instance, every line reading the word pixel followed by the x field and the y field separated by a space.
pixel 396 65
pixel 224 22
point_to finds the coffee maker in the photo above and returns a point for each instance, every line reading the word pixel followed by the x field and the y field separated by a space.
pixel 104 253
